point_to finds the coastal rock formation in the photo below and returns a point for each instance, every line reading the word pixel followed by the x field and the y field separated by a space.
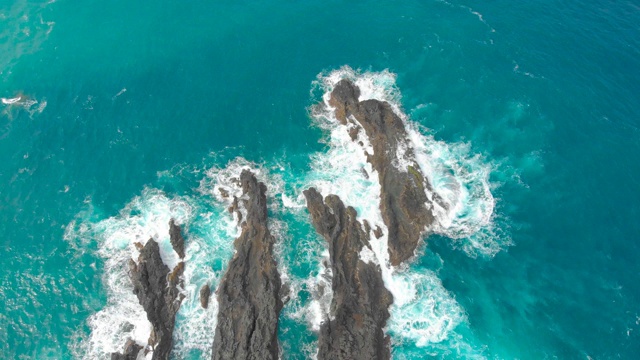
pixel 403 199
pixel 157 289
pixel 249 293
pixel 175 236
pixel 359 309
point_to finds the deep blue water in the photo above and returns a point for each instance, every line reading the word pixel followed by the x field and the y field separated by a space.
pixel 129 113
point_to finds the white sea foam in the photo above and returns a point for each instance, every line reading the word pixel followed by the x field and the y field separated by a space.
pixel 11 101
pixel 310 295
pixel 219 180
pixel 315 311
pixel 30 105
pixel 423 310
pixel 124 90
pixel 426 312
pixel 195 326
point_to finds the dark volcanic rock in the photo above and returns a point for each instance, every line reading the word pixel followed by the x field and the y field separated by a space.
pixel 156 287
pixel 131 350
pixel 157 290
pixel 403 200
pixel 177 241
pixel 205 292
pixel 249 293
pixel 360 300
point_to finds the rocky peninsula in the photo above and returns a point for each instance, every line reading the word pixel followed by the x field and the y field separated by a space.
pixel 249 293
pixel 403 199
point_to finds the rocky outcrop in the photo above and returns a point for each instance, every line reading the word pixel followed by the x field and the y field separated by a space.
pixel 157 289
pixel 249 301
pixel 359 309
pixel 403 200
pixel 131 350
pixel 175 236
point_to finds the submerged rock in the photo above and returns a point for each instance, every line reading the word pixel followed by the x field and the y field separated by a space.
pixel 249 293
pixel 360 300
pixel 157 289
pixel 403 200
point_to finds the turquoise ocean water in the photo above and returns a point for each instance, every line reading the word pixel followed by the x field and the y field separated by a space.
pixel 119 115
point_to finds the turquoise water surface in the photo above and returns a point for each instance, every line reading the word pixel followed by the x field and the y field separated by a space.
pixel 119 115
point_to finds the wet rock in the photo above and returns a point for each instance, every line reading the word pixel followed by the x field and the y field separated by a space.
pixel 131 350
pixel 285 293
pixel 353 132
pixel 234 208
pixel 367 227
pixel 205 292
pixel 234 205
pixel 177 241
pixel 377 232
pixel 157 289
pixel 365 173
pixel 359 309
pixel 249 293
pixel 403 200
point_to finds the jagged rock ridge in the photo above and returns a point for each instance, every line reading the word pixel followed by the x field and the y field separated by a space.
pixel 131 350
pixel 249 293
pixel 157 289
pixel 404 203
pixel 360 300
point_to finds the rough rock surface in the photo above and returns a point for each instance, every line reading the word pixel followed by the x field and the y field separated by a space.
pixel 403 200
pixel 360 300
pixel 156 287
pixel 177 241
pixel 205 292
pixel 131 350
pixel 249 293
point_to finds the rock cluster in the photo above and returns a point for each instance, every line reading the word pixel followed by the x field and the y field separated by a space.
pixel 359 308
pixel 250 293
